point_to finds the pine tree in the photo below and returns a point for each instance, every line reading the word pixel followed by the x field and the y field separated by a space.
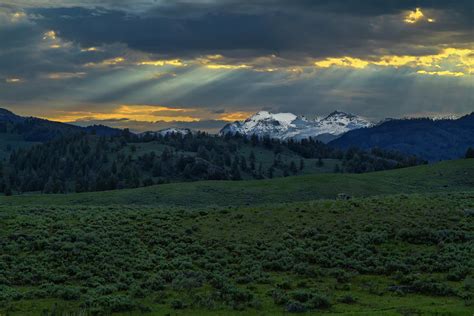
pixel 203 153
pixel 235 172
pixel 8 190
pixel 243 164
pixel 270 172
pixel 320 162
pixel 252 160
pixel 293 168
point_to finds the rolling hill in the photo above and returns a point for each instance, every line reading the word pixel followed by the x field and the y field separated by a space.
pixel 440 177
pixel 247 248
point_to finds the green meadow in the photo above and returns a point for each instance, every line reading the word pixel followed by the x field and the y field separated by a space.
pixel 403 244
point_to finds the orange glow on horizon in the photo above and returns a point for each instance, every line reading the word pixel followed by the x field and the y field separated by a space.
pixel 235 116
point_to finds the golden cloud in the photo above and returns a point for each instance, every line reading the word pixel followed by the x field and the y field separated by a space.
pixel 414 16
pixel 107 62
pixel 64 75
pixel 441 73
pixel 163 62
pixel 235 116
pixel 349 62
pixel 90 49
pixel 417 15
pixel 452 58
pixel 228 67
pixel 144 113
pixel 49 35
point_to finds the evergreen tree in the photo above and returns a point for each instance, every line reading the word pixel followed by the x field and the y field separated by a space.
pixel 320 162
pixel 293 168
pixel 203 153
pixel 243 164
pixel 235 172
pixel 270 172
pixel 252 160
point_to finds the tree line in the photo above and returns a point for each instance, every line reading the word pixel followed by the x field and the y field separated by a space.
pixel 86 162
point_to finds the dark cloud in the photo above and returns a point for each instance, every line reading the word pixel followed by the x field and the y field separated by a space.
pixel 296 31
pixel 289 28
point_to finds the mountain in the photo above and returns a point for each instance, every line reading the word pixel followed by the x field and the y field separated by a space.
pixel 290 126
pixel 429 139
pixel 33 129
pixel 8 116
pixel 167 131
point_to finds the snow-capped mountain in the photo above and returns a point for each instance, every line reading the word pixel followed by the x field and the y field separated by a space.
pixel 288 125
pixel 170 130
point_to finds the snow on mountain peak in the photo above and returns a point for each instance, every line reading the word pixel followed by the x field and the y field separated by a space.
pixel 289 125
pixel 169 131
pixel 282 118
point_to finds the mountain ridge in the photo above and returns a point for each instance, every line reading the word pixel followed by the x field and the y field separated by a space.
pixel 36 129
pixel 428 138
pixel 290 126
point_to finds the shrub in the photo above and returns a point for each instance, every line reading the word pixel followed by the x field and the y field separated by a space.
pixel 348 299
pixel 279 297
pixel 136 291
pixel 177 304
pixel 68 293
pixel 296 307
pixel 432 287
pixel 457 274
pixel 111 303
pixel 319 301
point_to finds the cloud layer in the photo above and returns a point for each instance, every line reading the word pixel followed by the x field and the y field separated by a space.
pixel 220 60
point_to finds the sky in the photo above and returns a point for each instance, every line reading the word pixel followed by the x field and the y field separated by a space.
pixel 151 64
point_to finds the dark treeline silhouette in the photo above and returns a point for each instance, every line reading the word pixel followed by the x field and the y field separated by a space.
pixel 86 162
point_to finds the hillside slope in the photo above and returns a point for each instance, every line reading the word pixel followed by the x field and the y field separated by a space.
pixel 33 129
pixel 432 140
pixel 440 177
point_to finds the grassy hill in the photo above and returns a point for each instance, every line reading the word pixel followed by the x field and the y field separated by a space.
pixel 441 177
pixel 403 245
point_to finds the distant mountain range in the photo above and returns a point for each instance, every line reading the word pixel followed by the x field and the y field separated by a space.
pixel 39 130
pixel 431 139
pixel 167 131
pixel 290 126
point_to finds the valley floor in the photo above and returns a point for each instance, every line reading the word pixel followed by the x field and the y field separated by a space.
pixel 387 255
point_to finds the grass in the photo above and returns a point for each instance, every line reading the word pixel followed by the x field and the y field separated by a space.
pixel 440 177
pixel 368 241
pixel 403 245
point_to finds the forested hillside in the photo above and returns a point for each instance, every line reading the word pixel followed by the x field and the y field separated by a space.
pixel 429 139
pixel 84 162
pixel 33 129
